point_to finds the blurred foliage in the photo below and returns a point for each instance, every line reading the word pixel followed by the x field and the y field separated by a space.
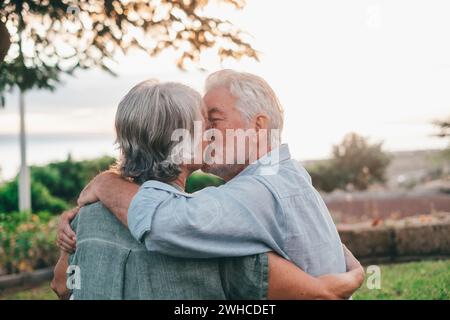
pixel 444 132
pixel 27 241
pixel 199 180
pixel 444 128
pixel 54 187
pixel 54 37
pixel 40 197
pixel 66 179
pixel 355 164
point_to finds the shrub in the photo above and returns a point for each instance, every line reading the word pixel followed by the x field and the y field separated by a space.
pixel 27 241
pixel 66 179
pixel 54 186
pixel 325 177
pixel 41 198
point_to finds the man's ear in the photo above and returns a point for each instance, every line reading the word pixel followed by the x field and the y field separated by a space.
pixel 262 122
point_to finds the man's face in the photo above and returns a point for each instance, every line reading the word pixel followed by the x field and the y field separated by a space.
pixel 222 114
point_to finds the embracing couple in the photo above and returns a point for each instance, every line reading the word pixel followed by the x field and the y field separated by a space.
pixel 265 234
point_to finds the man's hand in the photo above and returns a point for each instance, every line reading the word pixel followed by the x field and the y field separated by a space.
pixel 113 191
pixel 287 281
pixel 343 285
pixel 89 193
pixel 66 239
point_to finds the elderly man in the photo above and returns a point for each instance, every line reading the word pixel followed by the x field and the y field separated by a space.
pixel 251 214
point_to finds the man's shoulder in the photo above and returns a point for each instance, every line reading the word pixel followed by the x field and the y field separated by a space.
pixel 287 178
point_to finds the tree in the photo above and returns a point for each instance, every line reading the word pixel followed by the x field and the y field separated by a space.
pixel 5 42
pixel 359 162
pixel 324 176
pixel 355 163
pixel 51 38
pixel 444 132
pixel 443 127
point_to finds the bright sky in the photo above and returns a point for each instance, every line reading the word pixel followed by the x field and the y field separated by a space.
pixel 379 68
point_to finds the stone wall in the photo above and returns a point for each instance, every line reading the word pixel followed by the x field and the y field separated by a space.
pixel 413 238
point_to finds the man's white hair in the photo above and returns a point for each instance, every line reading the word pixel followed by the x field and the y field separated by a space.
pixel 254 95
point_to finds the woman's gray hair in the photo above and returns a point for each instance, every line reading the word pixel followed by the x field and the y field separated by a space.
pixel 145 121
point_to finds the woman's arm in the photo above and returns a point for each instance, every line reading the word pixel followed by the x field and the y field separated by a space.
pixel 287 281
pixel 58 283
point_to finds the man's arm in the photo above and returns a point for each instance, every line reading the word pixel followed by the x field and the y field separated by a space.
pixel 194 227
pixel 287 281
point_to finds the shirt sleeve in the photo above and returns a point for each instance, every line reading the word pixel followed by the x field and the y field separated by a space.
pixel 236 219
pixel 245 278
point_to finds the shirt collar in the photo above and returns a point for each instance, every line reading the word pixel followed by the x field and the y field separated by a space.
pixel 272 158
pixel 155 184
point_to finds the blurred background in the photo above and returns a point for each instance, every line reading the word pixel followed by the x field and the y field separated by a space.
pixel 364 85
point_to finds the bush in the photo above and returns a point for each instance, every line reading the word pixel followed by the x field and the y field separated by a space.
pixel 41 198
pixel 66 179
pixel 325 177
pixel 27 241
pixel 54 187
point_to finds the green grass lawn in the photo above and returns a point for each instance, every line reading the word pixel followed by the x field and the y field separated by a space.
pixel 40 293
pixel 410 281
pixel 428 280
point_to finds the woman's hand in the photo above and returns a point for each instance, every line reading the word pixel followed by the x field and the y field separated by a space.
pixel 66 238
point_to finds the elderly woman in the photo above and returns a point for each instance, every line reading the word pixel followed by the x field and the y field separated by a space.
pixel 109 263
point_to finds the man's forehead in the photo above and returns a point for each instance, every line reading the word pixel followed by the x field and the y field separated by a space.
pixel 218 100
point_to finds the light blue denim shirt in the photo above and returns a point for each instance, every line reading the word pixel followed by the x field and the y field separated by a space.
pixel 270 206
